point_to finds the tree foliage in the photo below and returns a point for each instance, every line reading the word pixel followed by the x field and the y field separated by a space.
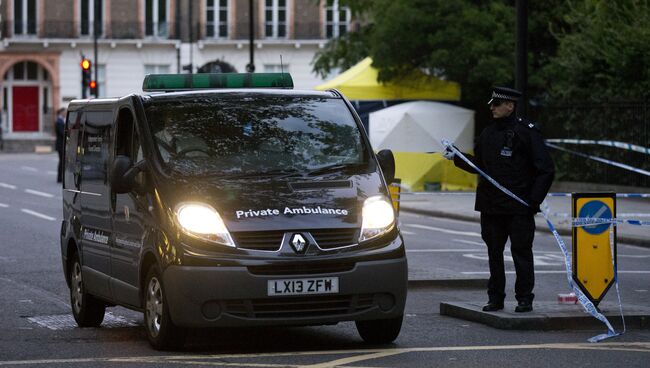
pixel 604 53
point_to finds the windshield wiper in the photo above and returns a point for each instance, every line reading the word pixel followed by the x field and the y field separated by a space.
pixel 279 172
pixel 334 168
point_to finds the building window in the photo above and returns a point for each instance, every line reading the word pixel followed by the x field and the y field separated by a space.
pixel 156 69
pixel 156 14
pixel 24 17
pixel 337 19
pixel 92 15
pixel 276 68
pixel 101 80
pixel 216 18
pixel 275 18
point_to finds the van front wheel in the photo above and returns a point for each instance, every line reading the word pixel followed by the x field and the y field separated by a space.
pixel 86 309
pixel 161 331
pixel 380 331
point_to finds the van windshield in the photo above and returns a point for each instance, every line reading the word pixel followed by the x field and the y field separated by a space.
pixel 244 134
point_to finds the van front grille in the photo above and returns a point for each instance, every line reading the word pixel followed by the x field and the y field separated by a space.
pixel 299 307
pixel 335 238
pixel 309 268
pixel 258 240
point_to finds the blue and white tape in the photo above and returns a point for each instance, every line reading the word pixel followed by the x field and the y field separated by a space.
pixel 621 145
pixel 555 194
pixel 600 159
pixel 618 195
pixel 584 301
pixel 590 221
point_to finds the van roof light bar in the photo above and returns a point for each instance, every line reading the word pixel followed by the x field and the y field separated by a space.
pixel 185 82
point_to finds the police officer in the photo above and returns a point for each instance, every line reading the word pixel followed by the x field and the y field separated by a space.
pixel 511 150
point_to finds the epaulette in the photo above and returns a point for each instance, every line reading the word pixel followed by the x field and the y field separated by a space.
pixel 528 123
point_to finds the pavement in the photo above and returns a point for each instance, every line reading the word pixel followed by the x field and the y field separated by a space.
pixel 546 315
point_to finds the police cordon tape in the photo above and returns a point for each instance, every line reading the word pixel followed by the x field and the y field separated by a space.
pixel 584 301
pixel 622 145
pixel 600 159
pixel 618 195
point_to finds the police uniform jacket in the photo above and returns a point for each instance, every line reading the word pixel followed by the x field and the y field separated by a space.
pixel 511 151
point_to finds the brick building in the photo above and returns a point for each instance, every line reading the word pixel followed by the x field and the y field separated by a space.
pixel 41 43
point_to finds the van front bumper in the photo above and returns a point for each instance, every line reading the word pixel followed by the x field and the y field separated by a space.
pixel 234 296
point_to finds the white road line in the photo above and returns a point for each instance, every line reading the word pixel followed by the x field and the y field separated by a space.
pixel 468 242
pixel 39 193
pixel 407 232
pixel 440 250
pixel 37 214
pixel 4 205
pixel 29 168
pixel 544 271
pixel 8 186
pixel 363 354
pixel 446 231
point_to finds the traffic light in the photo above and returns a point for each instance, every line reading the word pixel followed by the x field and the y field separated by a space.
pixel 86 70
pixel 93 88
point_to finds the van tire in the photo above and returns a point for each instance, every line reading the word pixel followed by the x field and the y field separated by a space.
pixel 380 331
pixel 162 333
pixel 86 309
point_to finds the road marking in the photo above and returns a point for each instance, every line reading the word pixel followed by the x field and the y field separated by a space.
pixel 4 205
pixel 66 321
pixel 439 250
pixel 38 193
pixel 8 186
pixel 641 291
pixel 543 271
pixel 365 354
pixel 29 168
pixel 407 232
pixel 446 231
pixel 468 242
pixel 37 214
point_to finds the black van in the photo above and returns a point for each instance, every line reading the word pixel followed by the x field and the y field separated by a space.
pixel 229 200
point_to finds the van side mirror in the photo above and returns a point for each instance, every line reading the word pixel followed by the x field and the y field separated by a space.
pixel 123 174
pixel 387 164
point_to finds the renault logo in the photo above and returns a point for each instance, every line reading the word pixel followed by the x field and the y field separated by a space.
pixel 298 243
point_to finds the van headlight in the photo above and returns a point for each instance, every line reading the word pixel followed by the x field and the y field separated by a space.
pixel 378 217
pixel 202 221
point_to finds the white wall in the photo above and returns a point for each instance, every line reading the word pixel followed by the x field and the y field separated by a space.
pixel 125 63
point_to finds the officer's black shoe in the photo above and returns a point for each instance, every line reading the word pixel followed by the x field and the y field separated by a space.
pixel 492 307
pixel 523 307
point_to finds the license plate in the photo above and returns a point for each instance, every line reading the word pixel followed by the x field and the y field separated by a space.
pixel 320 285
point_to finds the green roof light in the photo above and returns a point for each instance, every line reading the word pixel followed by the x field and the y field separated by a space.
pixel 184 82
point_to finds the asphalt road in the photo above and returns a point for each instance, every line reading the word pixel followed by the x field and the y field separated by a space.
pixel 36 328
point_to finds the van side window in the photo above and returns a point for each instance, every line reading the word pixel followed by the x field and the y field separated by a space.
pixel 94 160
pixel 128 142
pixel 72 160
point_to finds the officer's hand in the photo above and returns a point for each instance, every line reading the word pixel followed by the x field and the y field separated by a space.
pixel 448 153
pixel 534 208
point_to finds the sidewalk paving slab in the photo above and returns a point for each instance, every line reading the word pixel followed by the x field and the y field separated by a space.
pixel 548 316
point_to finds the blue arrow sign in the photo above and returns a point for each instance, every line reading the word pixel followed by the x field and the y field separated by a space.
pixel 596 209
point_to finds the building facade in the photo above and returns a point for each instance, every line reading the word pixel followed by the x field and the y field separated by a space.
pixel 42 43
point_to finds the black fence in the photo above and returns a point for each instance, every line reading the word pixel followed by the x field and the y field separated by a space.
pixel 627 121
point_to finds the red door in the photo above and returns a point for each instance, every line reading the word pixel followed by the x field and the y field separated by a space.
pixel 25 109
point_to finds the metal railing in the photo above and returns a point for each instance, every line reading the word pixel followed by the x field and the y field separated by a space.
pixel 116 29
pixel 623 121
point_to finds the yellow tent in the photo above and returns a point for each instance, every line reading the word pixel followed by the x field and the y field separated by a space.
pixel 359 83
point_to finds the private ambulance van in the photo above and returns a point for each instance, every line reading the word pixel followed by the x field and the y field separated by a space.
pixel 229 200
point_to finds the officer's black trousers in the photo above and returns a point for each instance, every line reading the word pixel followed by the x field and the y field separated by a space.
pixel 495 230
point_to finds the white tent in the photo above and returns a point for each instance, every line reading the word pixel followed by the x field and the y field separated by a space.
pixel 419 126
